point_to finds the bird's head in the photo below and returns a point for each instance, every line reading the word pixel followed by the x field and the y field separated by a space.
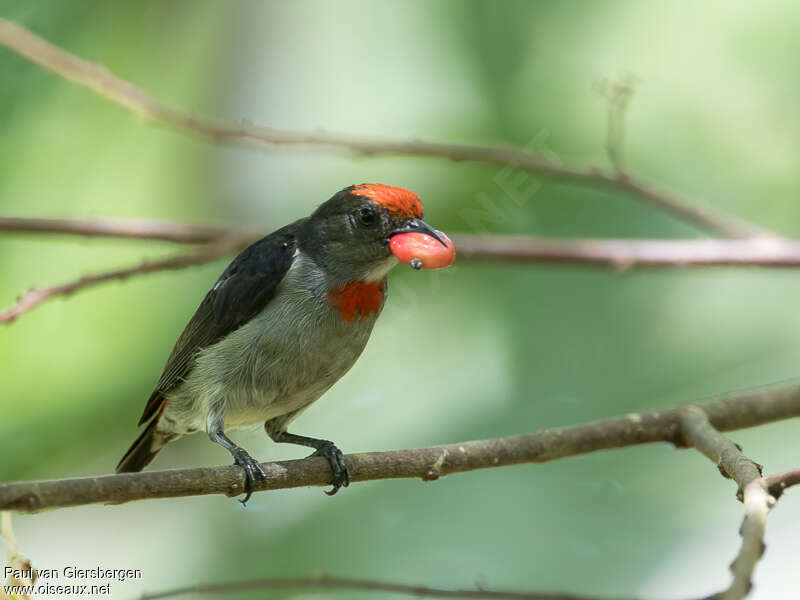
pixel 363 230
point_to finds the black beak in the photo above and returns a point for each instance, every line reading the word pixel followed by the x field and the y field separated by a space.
pixel 419 226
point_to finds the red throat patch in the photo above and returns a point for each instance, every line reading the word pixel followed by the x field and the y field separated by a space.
pixel 357 298
pixel 401 202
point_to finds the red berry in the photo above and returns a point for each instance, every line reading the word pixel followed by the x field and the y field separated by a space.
pixel 422 251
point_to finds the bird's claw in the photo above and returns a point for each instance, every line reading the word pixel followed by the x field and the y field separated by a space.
pixel 335 458
pixel 253 472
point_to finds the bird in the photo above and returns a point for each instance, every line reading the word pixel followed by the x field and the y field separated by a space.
pixel 287 318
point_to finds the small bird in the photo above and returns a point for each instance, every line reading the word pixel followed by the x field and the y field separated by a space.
pixel 286 319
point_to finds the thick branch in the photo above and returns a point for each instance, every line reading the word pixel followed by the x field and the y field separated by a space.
pixel 733 412
pixel 326 582
pixel 124 93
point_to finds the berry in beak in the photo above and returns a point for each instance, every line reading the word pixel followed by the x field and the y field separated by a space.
pixel 420 246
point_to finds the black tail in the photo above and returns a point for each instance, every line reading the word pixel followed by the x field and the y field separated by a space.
pixel 143 450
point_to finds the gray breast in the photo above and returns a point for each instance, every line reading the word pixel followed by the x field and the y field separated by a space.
pixel 280 361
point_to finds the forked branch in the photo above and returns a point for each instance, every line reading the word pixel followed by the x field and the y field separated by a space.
pixel 753 491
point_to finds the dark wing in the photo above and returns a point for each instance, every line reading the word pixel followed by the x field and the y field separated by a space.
pixel 240 293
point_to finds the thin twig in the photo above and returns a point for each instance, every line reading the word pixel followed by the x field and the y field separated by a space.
pixel 36 296
pixel 618 94
pixel 102 82
pixel 776 484
pixel 7 533
pixel 328 582
pixel 726 413
pixel 141 229
pixel 22 574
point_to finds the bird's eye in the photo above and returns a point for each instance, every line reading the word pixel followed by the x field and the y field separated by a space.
pixel 366 216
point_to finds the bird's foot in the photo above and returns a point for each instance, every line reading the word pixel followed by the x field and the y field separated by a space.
pixel 253 471
pixel 335 458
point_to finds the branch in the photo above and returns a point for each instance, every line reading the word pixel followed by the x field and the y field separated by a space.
pixel 625 254
pixel 102 82
pixel 732 463
pixel 776 484
pixel 754 490
pixel 219 241
pixel 327 582
pixel 36 296
pixel 757 504
pixel 618 253
pixel 141 229
pixel 16 561
pixel 618 94
pixel 726 413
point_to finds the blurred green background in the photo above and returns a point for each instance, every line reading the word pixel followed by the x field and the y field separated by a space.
pixel 512 348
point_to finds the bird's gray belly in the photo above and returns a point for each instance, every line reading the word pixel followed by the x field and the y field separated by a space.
pixel 277 363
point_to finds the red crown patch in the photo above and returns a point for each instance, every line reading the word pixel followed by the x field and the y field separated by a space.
pixel 397 200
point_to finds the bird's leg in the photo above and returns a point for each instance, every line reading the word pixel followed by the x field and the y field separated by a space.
pixel 323 448
pixel 252 469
